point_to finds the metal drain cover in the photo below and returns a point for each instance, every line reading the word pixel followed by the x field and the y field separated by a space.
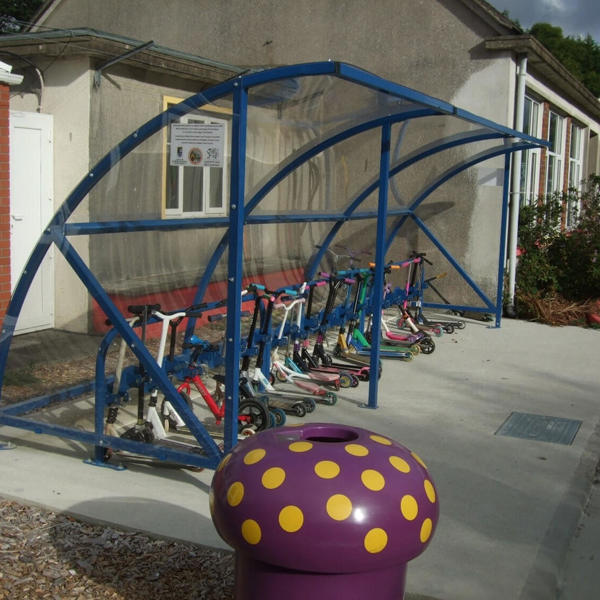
pixel 540 428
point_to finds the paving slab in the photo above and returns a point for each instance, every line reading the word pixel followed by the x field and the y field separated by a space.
pixel 510 506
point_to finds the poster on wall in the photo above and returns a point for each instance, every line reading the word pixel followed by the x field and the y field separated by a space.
pixel 197 144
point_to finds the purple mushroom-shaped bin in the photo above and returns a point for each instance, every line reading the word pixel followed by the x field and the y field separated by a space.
pixel 323 511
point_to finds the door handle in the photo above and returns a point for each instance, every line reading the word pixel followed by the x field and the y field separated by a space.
pixel 17 217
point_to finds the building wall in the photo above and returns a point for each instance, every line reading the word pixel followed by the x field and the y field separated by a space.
pixel 432 46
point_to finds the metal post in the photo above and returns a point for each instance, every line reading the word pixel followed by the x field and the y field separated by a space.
pixel 502 252
pixel 377 298
pixel 234 263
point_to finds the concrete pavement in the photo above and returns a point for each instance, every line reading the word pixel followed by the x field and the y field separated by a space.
pixel 510 507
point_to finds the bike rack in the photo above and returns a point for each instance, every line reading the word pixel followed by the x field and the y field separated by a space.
pixel 386 104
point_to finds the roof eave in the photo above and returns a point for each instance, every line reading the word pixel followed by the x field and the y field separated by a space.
pixel 542 61
pixel 104 47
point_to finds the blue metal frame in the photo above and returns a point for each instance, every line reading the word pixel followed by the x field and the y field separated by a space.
pixel 419 106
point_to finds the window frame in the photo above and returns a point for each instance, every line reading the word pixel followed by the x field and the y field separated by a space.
pixel 575 163
pixel 529 183
pixel 208 112
pixel 555 154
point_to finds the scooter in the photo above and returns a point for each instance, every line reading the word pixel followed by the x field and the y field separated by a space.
pixel 291 403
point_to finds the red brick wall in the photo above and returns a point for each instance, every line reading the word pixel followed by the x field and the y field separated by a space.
pixel 4 202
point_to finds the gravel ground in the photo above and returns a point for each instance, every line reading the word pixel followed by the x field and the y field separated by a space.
pixel 53 556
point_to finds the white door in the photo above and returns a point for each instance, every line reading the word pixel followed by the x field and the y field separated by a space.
pixel 31 208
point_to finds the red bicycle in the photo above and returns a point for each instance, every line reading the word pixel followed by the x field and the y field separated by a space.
pixel 253 415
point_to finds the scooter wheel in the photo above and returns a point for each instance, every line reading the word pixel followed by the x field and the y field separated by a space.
pixel 280 376
pixel 449 328
pixel 299 409
pixel 326 360
pixel 355 380
pixel 427 345
pixel 330 398
pixel 310 404
pixel 460 324
pixel 278 416
pixel 345 380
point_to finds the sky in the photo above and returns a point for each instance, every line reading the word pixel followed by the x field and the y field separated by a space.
pixel 575 17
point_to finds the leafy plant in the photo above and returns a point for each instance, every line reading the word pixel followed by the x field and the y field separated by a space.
pixel 556 262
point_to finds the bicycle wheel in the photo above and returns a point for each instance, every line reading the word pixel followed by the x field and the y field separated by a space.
pixel 253 413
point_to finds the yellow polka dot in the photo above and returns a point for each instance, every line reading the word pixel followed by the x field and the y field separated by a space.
pixel 429 490
pixel 291 518
pixel 372 480
pixel 400 464
pixel 357 450
pixel 339 507
pixel 375 540
pixel 254 456
pixel 327 469
pixel 381 440
pixel 235 493
pixel 300 446
pixel 419 460
pixel 225 460
pixel 426 529
pixel 251 531
pixel 272 478
pixel 409 508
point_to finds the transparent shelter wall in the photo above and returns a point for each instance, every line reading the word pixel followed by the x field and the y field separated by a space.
pixel 460 214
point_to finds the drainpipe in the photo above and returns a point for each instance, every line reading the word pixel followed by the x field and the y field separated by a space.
pixel 515 188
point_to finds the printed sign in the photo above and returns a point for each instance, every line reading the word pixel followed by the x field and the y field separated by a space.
pixel 197 144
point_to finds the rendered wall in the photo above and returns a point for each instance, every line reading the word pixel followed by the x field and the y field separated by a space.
pixel 431 46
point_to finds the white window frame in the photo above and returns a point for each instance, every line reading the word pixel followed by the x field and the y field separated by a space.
pixel 555 155
pixel 575 170
pixel 531 160
pixel 207 114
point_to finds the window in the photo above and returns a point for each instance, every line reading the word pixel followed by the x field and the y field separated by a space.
pixel 530 162
pixel 575 172
pixel 555 154
pixel 196 191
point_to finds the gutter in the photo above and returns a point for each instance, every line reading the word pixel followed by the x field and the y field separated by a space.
pixel 10 78
pixel 515 188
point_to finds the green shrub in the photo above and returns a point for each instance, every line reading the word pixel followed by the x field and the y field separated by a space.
pixel 556 261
